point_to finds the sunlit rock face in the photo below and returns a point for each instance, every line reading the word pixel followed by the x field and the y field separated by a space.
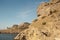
pixel 55 1
pixel 47 25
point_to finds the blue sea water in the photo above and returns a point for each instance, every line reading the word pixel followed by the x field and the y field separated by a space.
pixel 7 36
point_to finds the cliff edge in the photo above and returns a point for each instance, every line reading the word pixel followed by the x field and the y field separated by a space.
pixel 47 24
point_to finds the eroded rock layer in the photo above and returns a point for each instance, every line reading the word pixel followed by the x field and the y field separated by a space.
pixel 47 24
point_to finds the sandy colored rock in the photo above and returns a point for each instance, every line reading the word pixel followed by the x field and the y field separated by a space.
pixel 55 1
pixel 47 25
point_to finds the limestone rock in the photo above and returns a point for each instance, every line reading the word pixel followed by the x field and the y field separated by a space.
pixel 47 27
pixel 55 1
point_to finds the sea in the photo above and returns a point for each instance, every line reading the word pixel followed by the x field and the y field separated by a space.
pixel 7 36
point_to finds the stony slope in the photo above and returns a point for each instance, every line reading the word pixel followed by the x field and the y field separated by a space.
pixel 47 24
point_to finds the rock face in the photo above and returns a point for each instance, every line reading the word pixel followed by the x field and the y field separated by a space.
pixel 47 25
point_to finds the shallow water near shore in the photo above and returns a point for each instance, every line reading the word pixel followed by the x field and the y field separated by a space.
pixel 7 36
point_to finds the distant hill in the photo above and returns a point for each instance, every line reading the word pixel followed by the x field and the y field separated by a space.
pixel 16 28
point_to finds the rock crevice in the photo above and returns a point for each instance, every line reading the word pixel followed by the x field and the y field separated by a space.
pixel 47 24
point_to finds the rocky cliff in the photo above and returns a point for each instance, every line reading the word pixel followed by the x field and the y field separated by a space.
pixel 47 24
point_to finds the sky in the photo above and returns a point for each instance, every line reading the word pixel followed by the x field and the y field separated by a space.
pixel 17 11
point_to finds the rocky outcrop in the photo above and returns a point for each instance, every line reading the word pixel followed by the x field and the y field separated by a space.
pixel 47 25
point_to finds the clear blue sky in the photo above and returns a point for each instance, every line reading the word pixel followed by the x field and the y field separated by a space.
pixel 17 11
